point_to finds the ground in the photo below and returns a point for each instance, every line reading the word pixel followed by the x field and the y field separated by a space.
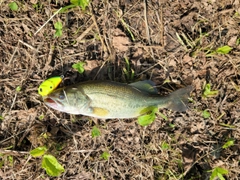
pixel 173 43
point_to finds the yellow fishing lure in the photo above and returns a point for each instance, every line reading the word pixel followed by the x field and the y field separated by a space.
pixel 46 87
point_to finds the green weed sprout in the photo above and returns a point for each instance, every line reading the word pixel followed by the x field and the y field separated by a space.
pixel 221 50
pixel 13 6
pixel 18 89
pixel 207 92
pixel 218 172
pixel 105 155
pixel 206 114
pixel 148 117
pixel 95 132
pixel 49 162
pixel 229 143
pixel 79 67
pixel 76 3
pixel 58 27
pixel 128 71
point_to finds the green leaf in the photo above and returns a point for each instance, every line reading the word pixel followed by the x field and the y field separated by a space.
pixel 238 41
pixel 229 143
pixel 128 71
pixel 224 50
pixel 10 160
pixel 41 117
pixel 82 3
pixel 13 6
pixel 39 151
pixel 1 118
pixel 125 26
pixel 51 165
pixel 58 26
pixel 58 33
pixel 165 146
pixel 79 67
pixel 18 88
pixel 171 125
pixel 220 176
pixel 208 92
pixel 163 116
pixel 149 116
pixel 206 114
pixel 64 9
pixel 105 155
pixel 95 132
pixel 146 120
pixel 218 172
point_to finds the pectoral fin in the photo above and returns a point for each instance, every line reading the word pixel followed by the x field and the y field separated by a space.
pixel 100 111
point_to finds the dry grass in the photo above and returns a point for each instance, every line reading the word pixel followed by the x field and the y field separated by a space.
pixel 186 146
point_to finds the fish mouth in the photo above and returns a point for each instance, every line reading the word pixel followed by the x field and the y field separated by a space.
pixel 53 103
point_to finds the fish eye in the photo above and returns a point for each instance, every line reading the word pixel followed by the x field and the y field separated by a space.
pixel 40 89
pixel 61 96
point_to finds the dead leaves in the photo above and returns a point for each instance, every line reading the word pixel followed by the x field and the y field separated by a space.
pixel 120 41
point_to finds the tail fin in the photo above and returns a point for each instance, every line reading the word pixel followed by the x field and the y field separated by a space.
pixel 179 99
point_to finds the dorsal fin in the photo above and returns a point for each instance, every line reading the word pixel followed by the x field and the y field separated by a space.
pixel 145 86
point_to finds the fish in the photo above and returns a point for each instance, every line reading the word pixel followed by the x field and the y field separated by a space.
pixel 109 100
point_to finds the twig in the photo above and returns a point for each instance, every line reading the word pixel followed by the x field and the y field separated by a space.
pixel 147 29
pixel 4 140
pixel 161 26
pixel 12 152
pixel 145 46
pixel 60 57
pixel 99 32
pixel 85 33
pixel 28 45
pixel 47 21
pixel 14 52
pixel 14 100
pixel 84 151
pixel 159 63
pixel 99 70
pixel 49 58
pixel 146 22
pixel 79 38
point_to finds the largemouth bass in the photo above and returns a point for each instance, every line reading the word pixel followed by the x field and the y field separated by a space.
pixel 107 99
